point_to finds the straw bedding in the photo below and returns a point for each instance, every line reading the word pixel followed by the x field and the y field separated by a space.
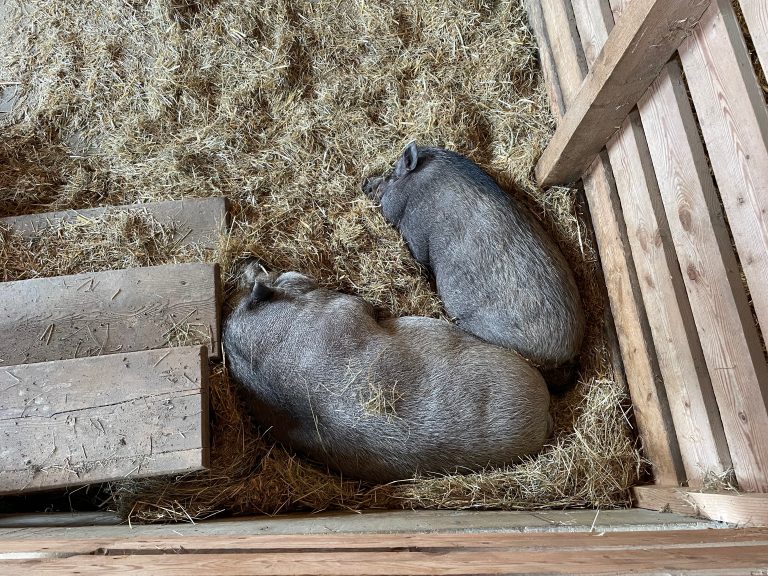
pixel 284 107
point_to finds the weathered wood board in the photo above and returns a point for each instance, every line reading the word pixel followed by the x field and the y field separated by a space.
pixel 641 43
pixel 745 510
pixel 116 311
pixel 198 221
pixel 756 16
pixel 691 552
pixel 91 420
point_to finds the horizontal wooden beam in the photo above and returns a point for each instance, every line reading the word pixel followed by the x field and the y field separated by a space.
pixel 748 510
pixel 638 47
pixel 693 552
pixel 116 311
pixel 88 420
pixel 198 221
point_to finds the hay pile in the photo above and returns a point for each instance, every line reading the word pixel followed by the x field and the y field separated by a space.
pixel 284 107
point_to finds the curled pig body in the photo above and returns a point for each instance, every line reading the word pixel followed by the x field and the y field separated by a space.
pixel 378 399
pixel 497 272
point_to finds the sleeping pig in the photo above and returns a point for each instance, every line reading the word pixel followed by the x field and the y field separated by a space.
pixel 494 267
pixel 378 400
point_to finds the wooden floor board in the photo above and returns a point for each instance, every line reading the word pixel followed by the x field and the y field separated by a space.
pixel 199 221
pixel 109 312
pixel 88 420
pixel 697 552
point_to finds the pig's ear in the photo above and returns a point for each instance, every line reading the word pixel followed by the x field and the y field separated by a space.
pixel 261 292
pixel 410 157
pixel 407 162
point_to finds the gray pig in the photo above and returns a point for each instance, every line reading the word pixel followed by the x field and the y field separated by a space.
pixel 378 400
pixel 494 267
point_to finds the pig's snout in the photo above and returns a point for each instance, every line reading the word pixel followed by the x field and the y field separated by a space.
pixel 372 187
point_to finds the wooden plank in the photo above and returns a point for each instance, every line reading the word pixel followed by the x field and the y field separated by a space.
pixel 517 541
pixel 645 385
pixel 692 402
pixel 756 16
pixel 536 22
pixel 738 559
pixel 88 420
pixel 634 54
pixel 563 41
pixel 688 388
pixel 745 510
pixel 640 366
pixel 198 221
pixel 734 121
pixel 728 337
pixel 594 21
pixel 107 312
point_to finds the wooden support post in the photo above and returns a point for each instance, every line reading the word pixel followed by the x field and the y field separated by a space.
pixel 88 420
pixel 639 46
pixel 116 311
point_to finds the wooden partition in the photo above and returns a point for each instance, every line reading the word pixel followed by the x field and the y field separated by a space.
pixel 679 198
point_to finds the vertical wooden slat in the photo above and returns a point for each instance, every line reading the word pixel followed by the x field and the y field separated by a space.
pixel 569 59
pixel 536 21
pixel 645 386
pixel 688 389
pixel 593 20
pixel 734 122
pixel 756 15
pixel 641 369
pixel 728 338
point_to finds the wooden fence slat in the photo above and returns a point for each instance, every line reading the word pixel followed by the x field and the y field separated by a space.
pixel 196 221
pixel 637 353
pixel 692 403
pixel 548 69
pixel 593 21
pixel 745 510
pixel 728 337
pixel 88 420
pixel 756 15
pixel 689 391
pixel 638 47
pixel 645 386
pixel 107 312
pixel 734 121
pixel 563 37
